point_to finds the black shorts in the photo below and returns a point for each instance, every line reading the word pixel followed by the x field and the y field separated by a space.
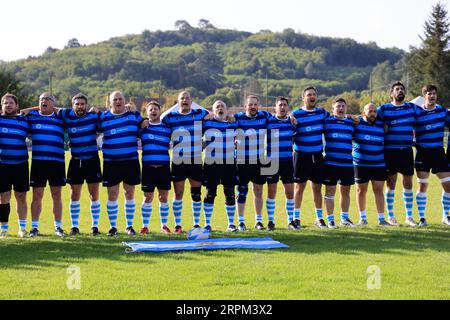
pixel 52 171
pixel 216 174
pixel 366 174
pixel 433 159
pixel 14 175
pixel 250 173
pixel 332 175
pixel 115 172
pixel 285 173
pixel 308 166
pixel 399 161
pixel 84 170
pixel 181 172
pixel 155 177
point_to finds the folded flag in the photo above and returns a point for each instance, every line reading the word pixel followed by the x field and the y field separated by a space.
pixel 210 244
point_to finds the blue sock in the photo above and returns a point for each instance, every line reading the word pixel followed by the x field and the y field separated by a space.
pixel 390 197
pixel 363 215
pixel 177 207
pixel 330 218
pixel 4 226
pixel 130 209
pixel 344 215
pixel 297 214
pixel 445 201
pixel 271 205
pixel 58 224
pixel 408 198
pixel 22 224
pixel 164 213
pixel 381 217
pixel 258 218
pixel 208 212
pixel 421 199
pixel 241 219
pixel 146 210
pixel 95 213
pixel 319 214
pixel 231 210
pixel 35 224
pixel 290 210
pixel 112 207
pixel 197 211
pixel 75 213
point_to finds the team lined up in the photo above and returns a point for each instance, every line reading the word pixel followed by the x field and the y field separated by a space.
pixel 252 146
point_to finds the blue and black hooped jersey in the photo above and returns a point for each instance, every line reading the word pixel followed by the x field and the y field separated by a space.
pixel 430 127
pixel 368 144
pixel 339 141
pixel 47 135
pixel 13 133
pixel 251 136
pixel 219 139
pixel 187 128
pixel 282 130
pixel 309 132
pixel 120 134
pixel 82 133
pixel 400 121
pixel 156 144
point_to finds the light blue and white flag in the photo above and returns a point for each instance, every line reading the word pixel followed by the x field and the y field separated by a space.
pixel 210 244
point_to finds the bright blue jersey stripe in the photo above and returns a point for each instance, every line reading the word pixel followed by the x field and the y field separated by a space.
pixel 82 133
pixel 430 127
pixel 400 121
pixel 251 135
pixel 219 138
pixel 339 141
pixel 47 135
pixel 283 131
pixel 309 132
pixel 13 133
pixel 120 133
pixel 187 129
pixel 156 144
pixel 369 144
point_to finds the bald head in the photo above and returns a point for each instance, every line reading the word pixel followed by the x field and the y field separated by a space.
pixel 184 102
pixel 370 112
pixel 117 102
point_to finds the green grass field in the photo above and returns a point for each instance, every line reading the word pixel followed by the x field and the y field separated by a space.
pixel 320 264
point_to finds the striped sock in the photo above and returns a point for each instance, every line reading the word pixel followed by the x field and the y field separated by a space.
pixel 95 213
pixel 258 218
pixel 421 200
pixel 241 219
pixel 22 224
pixel 344 215
pixel 177 207
pixel 319 214
pixel 381 217
pixel 35 224
pixel 75 213
pixel 208 212
pixel 408 198
pixel 197 211
pixel 445 200
pixel 231 210
pixel 112 207
pixel 4 226
pixel 164 213
pixel 130 208
pixel 146 210
pixel 330 218
pixel 297 214
pixel 58 224
pixel 363 215
pixel 290 210
pixel 390 197
pixel 271 205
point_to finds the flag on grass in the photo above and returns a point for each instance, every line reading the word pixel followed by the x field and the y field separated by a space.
pixel 210 244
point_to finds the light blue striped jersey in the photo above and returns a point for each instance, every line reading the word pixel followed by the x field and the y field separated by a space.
pixel 156 144
pixel 82 133
pixel 13 133
pixel 187 128
pixel 339 141
pixel 309 132
pixel 251 135
pixel 400 121
pixel 430 127
pixel 120 134
pixel 219 139
pixel 283 130
pixel 368 144
pixel 47 135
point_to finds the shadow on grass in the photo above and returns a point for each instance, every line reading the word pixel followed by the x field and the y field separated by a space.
pixel 51 251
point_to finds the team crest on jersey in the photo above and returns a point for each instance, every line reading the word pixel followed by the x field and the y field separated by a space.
pixel 73 130
pixel 308 129
pixel 5 130
pixel 113 131
pixel 38 126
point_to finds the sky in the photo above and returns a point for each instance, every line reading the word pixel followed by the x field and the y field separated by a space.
pixel 29 27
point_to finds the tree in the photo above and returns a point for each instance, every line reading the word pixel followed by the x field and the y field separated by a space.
pixel 73 43
pixel 182 25
pixel 205 24
pixel 9 84
pixel 430 63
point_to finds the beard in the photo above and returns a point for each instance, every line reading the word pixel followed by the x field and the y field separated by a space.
pixel 399 98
